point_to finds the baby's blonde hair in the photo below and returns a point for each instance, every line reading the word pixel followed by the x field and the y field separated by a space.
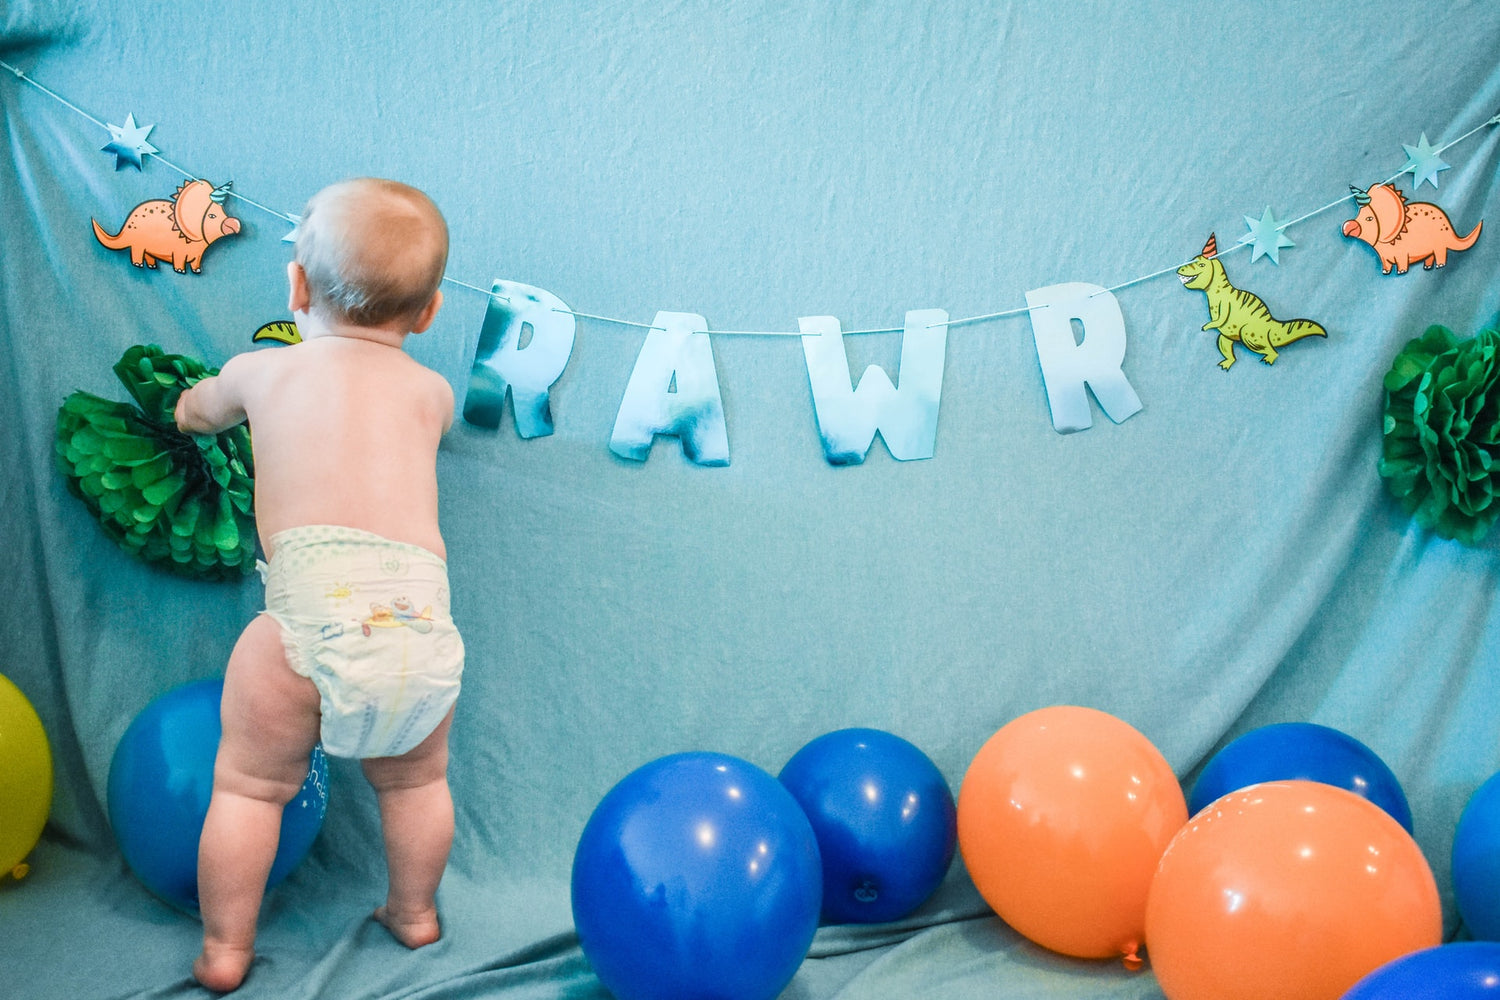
pixel 373 251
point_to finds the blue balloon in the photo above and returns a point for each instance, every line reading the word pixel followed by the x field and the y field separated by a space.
pixel 1303 751
pixel 1476 862
pixel 885 821
pixel 1469 970
pixel 160 780
pixel 696 876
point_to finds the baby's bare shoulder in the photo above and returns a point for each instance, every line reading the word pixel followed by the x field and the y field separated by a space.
pixel 415 374
pixel 435 392
pixel 438 385
pixel 248 369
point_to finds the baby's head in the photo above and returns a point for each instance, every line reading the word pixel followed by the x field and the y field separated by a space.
pixel 373 253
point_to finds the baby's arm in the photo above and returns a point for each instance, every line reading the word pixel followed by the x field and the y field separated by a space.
pixel 215 403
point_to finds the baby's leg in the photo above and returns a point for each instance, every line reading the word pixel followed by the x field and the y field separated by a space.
pixel 271 721
pixel 416 818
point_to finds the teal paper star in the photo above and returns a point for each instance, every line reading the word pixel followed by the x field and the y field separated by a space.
pixel 1266 237
pixel 291 236
pixel 129 143
pixel 1422 162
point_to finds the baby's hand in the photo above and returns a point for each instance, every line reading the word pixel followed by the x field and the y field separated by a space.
pixel 178 412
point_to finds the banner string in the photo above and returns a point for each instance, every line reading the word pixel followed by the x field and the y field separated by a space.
pixel 962 321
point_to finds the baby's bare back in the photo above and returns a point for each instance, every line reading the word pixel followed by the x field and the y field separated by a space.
pixel 346 432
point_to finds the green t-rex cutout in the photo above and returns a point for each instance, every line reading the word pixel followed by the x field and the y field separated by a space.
pixel 1239 315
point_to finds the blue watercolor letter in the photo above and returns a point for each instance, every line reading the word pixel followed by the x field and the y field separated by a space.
pixel 1068 365
pixel 501 364
pixel 849 417
pixel 674 389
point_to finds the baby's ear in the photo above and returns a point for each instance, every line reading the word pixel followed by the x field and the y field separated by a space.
pixel 298 298
pixel 429 312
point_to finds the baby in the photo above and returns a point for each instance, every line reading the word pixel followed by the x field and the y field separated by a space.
pixel 356 645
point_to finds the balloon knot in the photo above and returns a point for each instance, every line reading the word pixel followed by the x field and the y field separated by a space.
pixel 1131 959
pixel 20 871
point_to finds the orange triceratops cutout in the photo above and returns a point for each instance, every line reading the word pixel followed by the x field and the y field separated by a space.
pixel 176 231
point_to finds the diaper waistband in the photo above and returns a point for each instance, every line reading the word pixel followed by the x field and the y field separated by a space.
pixel 305 536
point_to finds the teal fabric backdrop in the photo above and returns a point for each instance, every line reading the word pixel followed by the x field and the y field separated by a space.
pixel 1225 558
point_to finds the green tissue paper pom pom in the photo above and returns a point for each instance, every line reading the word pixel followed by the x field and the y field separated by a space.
pixel 184 502
pixel 1441 453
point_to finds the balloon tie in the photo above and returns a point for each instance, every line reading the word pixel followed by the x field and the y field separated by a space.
pixel 1131 959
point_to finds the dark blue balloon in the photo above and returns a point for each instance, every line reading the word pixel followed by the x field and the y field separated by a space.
pixel 160 780
pixel 885 821
pixel 1301 751
pixel 1469 970
pixel 1476 862
pixel 696 876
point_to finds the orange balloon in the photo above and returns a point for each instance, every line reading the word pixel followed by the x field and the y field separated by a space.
pixel 1062 818
pixel 1288 889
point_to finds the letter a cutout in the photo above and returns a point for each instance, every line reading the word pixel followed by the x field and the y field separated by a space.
pixel 674 389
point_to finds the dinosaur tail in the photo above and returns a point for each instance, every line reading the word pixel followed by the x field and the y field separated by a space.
pixel 1467 241
pixel 113 242
pixel 1296 330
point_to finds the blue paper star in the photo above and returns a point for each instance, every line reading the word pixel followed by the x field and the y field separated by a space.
pixel 1422 162
pixel 129 143
pixel 1266 237
pixel 291 237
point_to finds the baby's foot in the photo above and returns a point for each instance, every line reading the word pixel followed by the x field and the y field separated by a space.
pixel 222 968
pixel 412 930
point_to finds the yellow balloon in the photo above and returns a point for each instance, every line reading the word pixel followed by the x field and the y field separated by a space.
pixel 25 778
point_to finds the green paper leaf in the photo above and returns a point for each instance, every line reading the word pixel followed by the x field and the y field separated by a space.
pixel 226 534
pixel 86 441
pixel 160 492
pixel 149 472
pixel 131 450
